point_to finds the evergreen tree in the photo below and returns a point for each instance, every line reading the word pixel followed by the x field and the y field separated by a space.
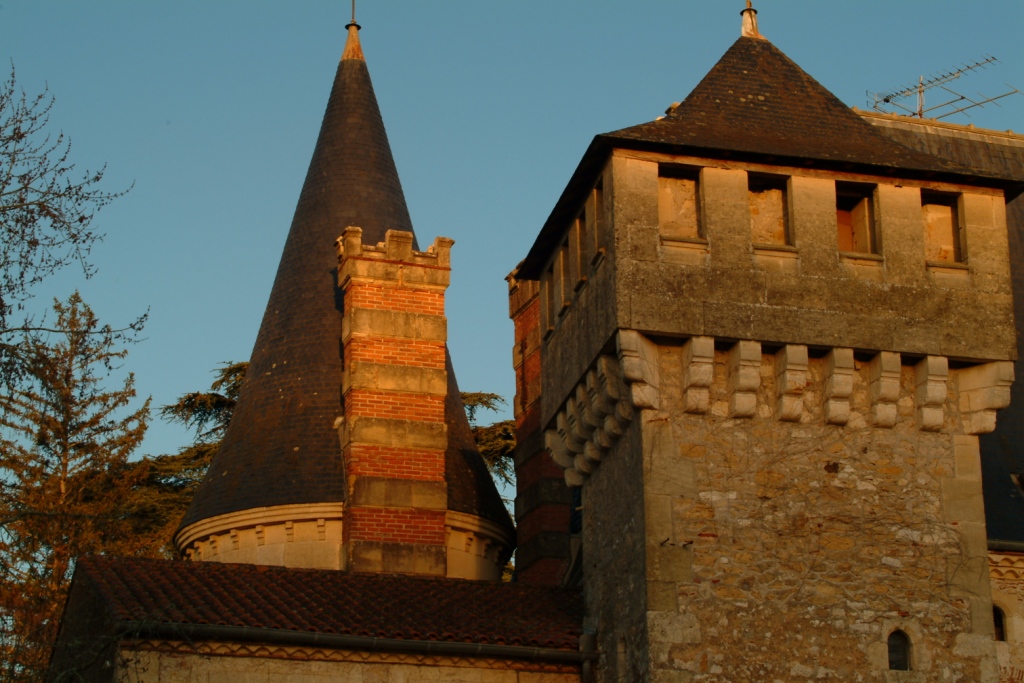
pixel 165 484
pixel 65 440
pixel 495 441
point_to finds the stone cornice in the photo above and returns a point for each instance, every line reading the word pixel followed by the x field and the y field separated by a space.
pixel 246 519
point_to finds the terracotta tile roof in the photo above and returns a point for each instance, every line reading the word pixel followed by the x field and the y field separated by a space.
pixel 282 447
pixel 333 602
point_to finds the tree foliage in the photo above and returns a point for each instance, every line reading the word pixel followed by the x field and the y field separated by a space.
pixel 65 440
pixel 198 409
pixel 46 210
pixel 495 441
pixel 166 484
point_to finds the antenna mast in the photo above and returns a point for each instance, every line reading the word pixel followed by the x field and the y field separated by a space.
pixel 888 102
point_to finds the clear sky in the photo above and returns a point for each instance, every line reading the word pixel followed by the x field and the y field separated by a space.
pixel 211 109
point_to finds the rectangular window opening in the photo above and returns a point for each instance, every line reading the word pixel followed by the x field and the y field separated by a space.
pixel 942 238
pixel 769 221
pixel 597 224
pixel 582 245
pixel 855 218
pixel 547 290
pixel 679 203
pixel 565 279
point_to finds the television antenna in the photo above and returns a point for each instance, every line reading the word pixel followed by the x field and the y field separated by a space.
pixel 895 101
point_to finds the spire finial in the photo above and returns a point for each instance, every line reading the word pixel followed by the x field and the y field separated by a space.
pixel 749 29
pixel 353 50
pixel 352 23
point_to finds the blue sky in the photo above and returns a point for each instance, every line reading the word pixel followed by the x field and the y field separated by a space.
pixel 211 109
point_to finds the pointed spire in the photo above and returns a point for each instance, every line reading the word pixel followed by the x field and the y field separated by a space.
pixel 281 447
pixel 749 29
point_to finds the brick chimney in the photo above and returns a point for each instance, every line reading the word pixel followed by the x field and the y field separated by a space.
pixel 394 382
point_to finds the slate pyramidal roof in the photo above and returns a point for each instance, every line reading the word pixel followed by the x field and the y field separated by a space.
pixel 281 447
pixel 756 104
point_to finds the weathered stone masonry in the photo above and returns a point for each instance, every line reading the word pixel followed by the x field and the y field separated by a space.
pixel 777 444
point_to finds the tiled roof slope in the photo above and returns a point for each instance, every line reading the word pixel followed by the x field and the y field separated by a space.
pixel 281 447
pixel 331 602
pixel 757 100
pixel 1002 452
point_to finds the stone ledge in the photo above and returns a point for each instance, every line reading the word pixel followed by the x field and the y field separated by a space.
pixel 393 433
pixel 407 379
pixel 399 493
pixel 396 558
pixel 394 324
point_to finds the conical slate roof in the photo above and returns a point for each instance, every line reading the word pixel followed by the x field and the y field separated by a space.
pixel 281 447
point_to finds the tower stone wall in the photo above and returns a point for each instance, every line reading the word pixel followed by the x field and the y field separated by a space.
pixel 543 507
pixel 777 447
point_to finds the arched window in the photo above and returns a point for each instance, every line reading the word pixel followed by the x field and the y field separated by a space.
pixel 998 620
pixel 899 651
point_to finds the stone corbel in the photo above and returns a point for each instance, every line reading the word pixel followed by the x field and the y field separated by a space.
pixel 602 404
pixel 983 389
pixel 838 385
pixel 884 371
pixel 790 381
pixel 556 447
pixel 930 376
pixel 638 357
pixel 698 374
pixel 744 378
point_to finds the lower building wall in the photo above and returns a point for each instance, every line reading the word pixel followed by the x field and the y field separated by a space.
pixel 1007 572
pixel 259 664
pixel 800 546
pixel 614 560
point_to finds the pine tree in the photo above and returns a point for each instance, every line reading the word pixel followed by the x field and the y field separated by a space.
pixel 495 441
pixel 165 484
pixel 65 440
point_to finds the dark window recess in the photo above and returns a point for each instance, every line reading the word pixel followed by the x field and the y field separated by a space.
pixel 999 621
pixel 899 651
pixel 855 219
pixel 1018 481
pixel 576 513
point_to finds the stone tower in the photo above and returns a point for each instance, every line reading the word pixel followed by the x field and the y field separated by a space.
pixel 350 447
pixel 759 339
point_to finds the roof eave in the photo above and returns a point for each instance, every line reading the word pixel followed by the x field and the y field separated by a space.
pixel 580 182
pixel 134 630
